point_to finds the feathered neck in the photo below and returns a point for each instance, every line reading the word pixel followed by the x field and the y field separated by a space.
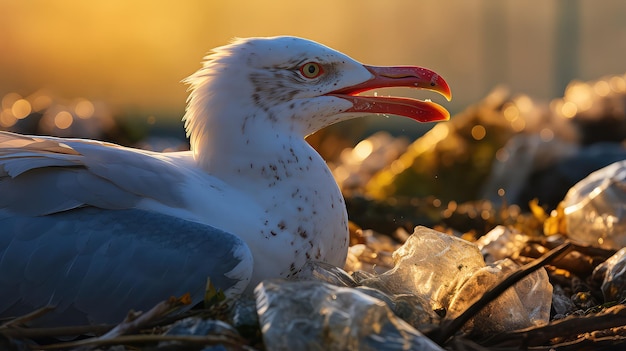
pixel 223 120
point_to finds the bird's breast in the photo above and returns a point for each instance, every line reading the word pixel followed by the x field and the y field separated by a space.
pixel 294 211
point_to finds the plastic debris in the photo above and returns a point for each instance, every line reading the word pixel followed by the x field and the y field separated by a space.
pixel 613 275
pixel 242 314
pixel 501 242
pixel 308 315
pixel 324 272
pixel 526 304
pixel 595 208
pixel 433 265
pixel 199 326
pixel 451 275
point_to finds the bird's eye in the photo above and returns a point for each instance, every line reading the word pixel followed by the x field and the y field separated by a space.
pixel 311 70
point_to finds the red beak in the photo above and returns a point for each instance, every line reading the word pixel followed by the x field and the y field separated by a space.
pixel 400 76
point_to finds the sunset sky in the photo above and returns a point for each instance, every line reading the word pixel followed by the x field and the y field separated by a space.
pixel 133 54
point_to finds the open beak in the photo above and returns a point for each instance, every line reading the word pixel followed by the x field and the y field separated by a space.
pixel 399 76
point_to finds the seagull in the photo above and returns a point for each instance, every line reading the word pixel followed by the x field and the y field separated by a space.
pixel 97 229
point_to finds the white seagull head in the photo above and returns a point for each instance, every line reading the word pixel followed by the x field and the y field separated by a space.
pixel 293 85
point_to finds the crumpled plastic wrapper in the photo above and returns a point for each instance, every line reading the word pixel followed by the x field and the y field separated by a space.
pixel 525 304
pixel 500 243
pixel 595 208
pixel 309 315
pixel 433 265
pixel 452 274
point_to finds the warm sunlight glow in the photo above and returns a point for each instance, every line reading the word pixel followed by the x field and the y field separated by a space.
pixel 103 51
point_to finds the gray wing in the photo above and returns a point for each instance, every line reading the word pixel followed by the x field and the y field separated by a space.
pixel 95 265
pixel 43 175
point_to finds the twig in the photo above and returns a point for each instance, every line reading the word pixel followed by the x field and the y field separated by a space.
pixel 137 320
pixel 133 321
pixel 31 333
pixel 27 317
pixel 565 328
pixel 144 339
pixel 449 328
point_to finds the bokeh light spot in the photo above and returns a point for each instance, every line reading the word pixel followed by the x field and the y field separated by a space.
pixel 21 109
pixel 7 119
pixel 546 134
pixel 502 155
pixel 478 132
pixel 9 99
pixel 41 102
pixel 511 112
pixel 63 120
pixel 602 88
pixel 518 125
pixel 569 109
pixel 84 109
pixel 618 84
pixel 363 149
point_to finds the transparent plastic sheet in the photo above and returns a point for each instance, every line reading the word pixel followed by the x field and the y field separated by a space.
pixel 612 273
pixel 309 315
pixel 595 208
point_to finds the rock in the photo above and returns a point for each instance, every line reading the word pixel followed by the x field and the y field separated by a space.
pixel 561 303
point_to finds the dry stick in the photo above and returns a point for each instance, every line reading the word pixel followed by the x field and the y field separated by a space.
pixel 143 339
pixel 133 321
pixel 137 320
pixel 449 328
pixel 33 333
pixel 567 327
pixel 12 327
pixel 27 317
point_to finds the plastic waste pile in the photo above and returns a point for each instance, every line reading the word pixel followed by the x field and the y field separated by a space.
pixel 436 277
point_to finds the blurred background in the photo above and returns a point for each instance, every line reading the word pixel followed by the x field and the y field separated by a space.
pixel 133 54
pixel 534 83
